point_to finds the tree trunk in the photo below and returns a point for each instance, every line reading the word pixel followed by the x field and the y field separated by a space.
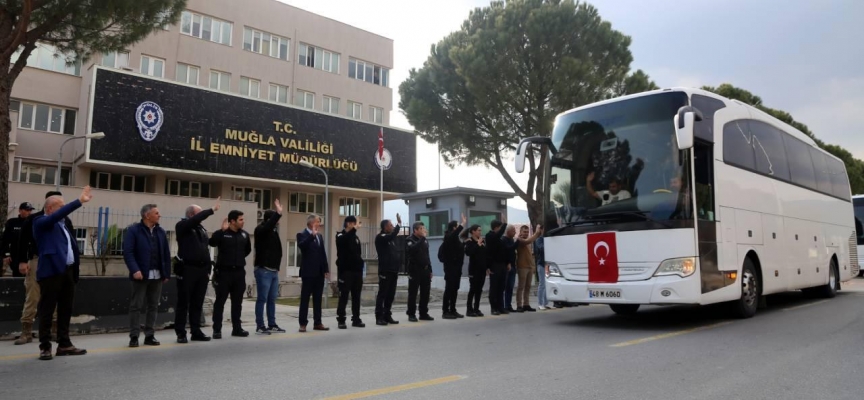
pixel 5 132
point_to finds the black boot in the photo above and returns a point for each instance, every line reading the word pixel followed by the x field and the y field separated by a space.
pixel 391 321
pixel 341 322
pixel 380 321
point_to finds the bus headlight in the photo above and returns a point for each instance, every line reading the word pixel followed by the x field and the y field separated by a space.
pixel 553 269
pixel 682 267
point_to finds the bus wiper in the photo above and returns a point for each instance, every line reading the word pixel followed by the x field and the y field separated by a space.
pixel 642 214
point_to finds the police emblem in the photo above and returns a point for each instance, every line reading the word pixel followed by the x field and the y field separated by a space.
pixel 149 118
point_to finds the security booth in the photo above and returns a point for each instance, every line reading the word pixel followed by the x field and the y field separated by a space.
pixel 436 208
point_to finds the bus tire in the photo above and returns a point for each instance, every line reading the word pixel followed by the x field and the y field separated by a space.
pixel 829 290
pixel 624 309
pixel 745 307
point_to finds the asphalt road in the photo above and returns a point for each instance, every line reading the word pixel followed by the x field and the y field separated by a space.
pixel 798 348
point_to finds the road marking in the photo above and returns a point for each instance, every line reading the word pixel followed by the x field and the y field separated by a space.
pixel 400 388
pixel 805 305
pixel 670 334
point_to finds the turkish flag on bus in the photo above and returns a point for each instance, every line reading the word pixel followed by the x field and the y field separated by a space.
pixel 602 258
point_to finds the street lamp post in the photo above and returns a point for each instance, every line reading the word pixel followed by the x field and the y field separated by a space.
pixel 307 164
pixel 97 135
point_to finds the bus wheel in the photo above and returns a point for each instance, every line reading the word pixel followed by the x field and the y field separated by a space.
pixel 624 309
pixel 745 307
pixel 828 290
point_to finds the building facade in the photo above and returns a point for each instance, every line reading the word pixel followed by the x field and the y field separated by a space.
pixel 234 75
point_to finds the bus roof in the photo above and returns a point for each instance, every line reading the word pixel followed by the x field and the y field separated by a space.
pixel 729 103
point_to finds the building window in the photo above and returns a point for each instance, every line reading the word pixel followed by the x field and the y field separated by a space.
pixel 187 73
pixel 355 110
pixel 264 197
pixel 207 28
pixel 356 207
pixel 376 114
pixel 278 93
pixel 121 182
pixel 46 56
pixel 174 187
pixel 42 117
pixel 116 59
pixel 250 87
pixel 308 203
pixel 364 71
pixel 294 255
pixel 265 43
pixel 482 218
pixel 152 66
pixel 436 222
pixel 305 99
pixel 331 105
pixel 220 80
pixel 32 173
pixel 318 58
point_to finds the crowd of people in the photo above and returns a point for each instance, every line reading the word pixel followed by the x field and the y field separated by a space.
pixel 43 248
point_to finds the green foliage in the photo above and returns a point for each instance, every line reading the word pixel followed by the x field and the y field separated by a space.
pixel 854 166
pixel 506 74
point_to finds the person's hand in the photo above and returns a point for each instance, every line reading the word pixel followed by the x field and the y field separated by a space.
pixel 216 206
pixel 85 195
pixel 398 219
pixel 225 224
pixel 504 218
pixel 464 220
pixel 509 268
pixel 23 268
pixel 165 280
pixel 7 260
pixel 488 272
pixel 358 226
pixel 430 275
pixel 278 206
pixel 315 231
pixel 137 276
pixel 327 276
pixel 590 177
pixel 481 241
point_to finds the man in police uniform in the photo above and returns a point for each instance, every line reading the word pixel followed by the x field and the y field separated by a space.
pixel 11 236
pixel 419 273
pixel 388 270
pixel 349 264
pixel 230 278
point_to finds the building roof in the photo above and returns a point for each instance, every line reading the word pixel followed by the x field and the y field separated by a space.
pixel 457 191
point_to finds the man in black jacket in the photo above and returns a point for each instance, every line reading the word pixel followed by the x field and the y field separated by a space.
pixel 453 253
pixel 349 264
pixel 388 270
pixel 230 277
pixel 11 236
pixel 419 272
pixel 497 264
pixel 28 260
pixel 268 258
pixel 192 269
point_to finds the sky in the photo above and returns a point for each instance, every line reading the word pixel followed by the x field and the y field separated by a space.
pixel 801 56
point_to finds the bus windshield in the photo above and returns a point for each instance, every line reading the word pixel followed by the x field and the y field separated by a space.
pixel 859 219
pixel 618 163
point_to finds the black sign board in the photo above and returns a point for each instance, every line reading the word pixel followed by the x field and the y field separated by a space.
pixel 154 123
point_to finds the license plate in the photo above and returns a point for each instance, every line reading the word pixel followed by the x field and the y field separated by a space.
pixel 604 293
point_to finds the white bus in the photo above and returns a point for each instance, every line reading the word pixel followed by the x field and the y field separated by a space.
pixel 858 203
pixel 680 196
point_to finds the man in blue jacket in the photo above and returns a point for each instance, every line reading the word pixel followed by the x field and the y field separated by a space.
pixel 314 270
pixel 148 258
pixel 58 256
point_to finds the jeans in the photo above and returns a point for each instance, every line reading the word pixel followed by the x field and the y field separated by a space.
pixel 508 287
pixel 526 275
pixel 267 283
pixel 541 285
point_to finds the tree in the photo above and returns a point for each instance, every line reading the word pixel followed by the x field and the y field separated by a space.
pixel 506 74
pixel 78 29
pixel 854 166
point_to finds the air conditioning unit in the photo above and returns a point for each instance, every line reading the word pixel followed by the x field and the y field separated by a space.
pixel 130 69
pixel 260 215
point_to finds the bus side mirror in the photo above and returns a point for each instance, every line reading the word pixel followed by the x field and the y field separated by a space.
pixel 685 121
pixel 522 150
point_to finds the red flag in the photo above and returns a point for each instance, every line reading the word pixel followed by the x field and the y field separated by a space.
pixel 602 258
pixel 381 143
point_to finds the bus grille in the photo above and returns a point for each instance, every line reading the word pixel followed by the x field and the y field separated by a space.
pixel 853 254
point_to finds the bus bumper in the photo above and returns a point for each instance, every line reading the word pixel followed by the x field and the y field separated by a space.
pixel 656 290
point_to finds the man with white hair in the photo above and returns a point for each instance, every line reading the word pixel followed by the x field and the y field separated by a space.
pixel 193 271
pixel 58 256
pixel 148 258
